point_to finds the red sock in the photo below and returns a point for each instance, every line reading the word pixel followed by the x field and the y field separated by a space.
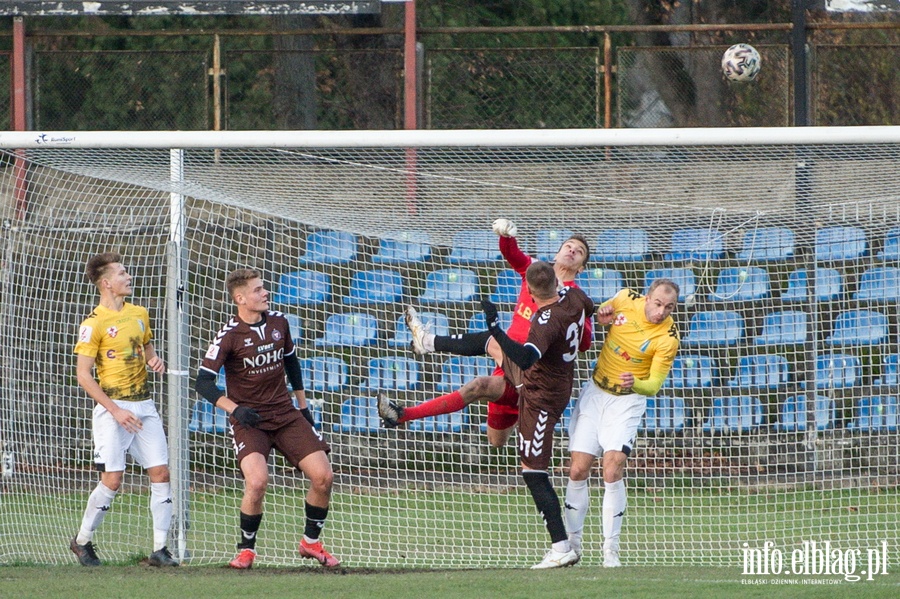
pixel 445 404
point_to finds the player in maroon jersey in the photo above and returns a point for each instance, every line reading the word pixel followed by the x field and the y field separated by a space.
pixel 543 369
pixel 503 400
pixel 256 351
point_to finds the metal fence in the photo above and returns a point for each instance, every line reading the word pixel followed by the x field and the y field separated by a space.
pixel 229 82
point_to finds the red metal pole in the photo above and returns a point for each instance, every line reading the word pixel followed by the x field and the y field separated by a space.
pixel 18 115
pixel 410 100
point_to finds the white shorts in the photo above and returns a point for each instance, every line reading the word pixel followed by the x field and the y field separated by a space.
pixel 602 421
pixel 147 447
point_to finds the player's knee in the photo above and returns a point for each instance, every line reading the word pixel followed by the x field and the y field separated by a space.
pixel 322 480
pixel 498 437
pixel 159 474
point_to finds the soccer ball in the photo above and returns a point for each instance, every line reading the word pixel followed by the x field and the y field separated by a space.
pixel 741 62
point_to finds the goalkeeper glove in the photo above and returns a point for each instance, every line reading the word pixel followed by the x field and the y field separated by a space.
pixel 490 315
pixel 308 415
pixel 505 227
pixel 246 416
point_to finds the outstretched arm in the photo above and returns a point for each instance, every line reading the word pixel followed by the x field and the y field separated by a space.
pixel 523 355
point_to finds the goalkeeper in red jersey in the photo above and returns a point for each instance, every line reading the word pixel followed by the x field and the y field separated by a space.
pixel 502 398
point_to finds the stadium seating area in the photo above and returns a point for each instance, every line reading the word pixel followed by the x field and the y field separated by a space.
pixel 757 345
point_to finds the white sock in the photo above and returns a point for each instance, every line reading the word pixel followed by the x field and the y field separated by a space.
pixel 578 498
pixel 428 341
pixel 161 509
pixel 562 547
pixel 613 512
pixel 98 504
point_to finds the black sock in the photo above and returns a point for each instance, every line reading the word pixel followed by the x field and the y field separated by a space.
pixel 315 520
pixel 467 344
pixel 249 527
pixel 547 502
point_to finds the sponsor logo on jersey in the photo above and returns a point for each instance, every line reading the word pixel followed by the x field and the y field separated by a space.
pixel 265 348
pixel 85 333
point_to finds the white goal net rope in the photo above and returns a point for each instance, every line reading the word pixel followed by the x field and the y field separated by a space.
pixel 779 422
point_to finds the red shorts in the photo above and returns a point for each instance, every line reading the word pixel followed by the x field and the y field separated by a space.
pixel 503 413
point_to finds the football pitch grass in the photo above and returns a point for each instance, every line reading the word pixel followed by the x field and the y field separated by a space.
pixel 140 582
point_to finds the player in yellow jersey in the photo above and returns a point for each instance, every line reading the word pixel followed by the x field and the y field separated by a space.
pixel 635 359
pixel 117 340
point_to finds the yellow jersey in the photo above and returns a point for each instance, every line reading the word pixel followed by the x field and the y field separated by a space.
pixel 635 345
pixel 116 341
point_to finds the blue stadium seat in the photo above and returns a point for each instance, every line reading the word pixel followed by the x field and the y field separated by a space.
pixel 741 285
pixel 206 418
pixel 859 327
pixel 891 251
pixel 714 328
pixel 358 415
pixel 393 373
pixel 324 373
pixel 691 371
pixel 507 287
pixel 837 371
pixel 600 284
pixel 456 371
pixel 330 247
pixel 695 244
pixel 450 285
pixel 876 414
pixel 296 326
pixel 767 244
pixel 734 414
pixel 792 416
pixel 764 371
pixel 474 247
pixel 784 327
pixel 436 323
pixel 380 286
pixel 354 329
pixel 443 423
pixel 403 247
pixel 549 241
pixel 621 245
pixel 840 243
pixel 302 288
pixel 879 284
pixel 684 277
pixel 829 286
pixel 890 373
pixel 477 324
pixel 664 415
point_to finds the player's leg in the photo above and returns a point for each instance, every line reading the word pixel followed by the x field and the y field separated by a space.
pixel 424 341
pixel 584 447
pixel 483 388
pixel 111 441
pixel 618 430
pixel 252 448
pixel 150 449
pixel 304 447
pixel 536 434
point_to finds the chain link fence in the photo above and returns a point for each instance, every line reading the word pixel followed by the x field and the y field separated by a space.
pixel 322 87
pixel 522 88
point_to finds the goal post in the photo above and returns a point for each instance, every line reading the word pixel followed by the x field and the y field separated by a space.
pixel 778 424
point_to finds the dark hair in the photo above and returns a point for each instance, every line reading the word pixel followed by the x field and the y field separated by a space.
pixel 239 278
pixel 541 280
pixel 582 240
pixel 98 266
pixel 667 282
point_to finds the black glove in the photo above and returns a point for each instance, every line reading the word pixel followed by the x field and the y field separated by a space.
pixel 490 315
pixel 246 416
pixel 308 415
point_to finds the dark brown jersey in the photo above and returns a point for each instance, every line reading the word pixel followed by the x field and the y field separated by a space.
pixel 556 332
pixel 253 358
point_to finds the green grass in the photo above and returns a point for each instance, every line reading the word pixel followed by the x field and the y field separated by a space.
pixel 139 582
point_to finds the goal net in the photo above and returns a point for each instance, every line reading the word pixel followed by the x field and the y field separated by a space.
pixel 778 423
